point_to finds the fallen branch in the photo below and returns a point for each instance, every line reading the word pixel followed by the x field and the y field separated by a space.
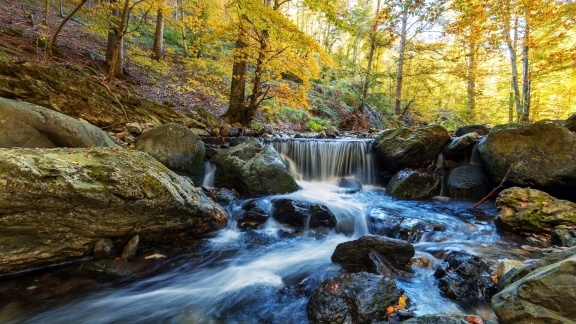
pixel 493 190
pixel 113 96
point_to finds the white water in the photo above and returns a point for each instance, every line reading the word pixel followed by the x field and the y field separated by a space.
pixel 249 277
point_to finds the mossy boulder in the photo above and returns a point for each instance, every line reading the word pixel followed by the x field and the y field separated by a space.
pixel 401 148
pixel 468 181
pixel 413 184
pixel 540 156
pixel 546 294
pixel 570 123
pixel 466 129
pixel 27 125
pixel 531 210
pixel 252 169
pixel 56 204
pixel 460 146
pixel 177 147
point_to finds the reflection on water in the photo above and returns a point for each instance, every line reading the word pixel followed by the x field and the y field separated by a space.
pixel 258 276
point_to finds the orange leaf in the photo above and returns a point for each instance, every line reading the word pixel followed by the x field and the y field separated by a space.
pixel 390 310
pixel 474 320
pixel 115 149
pixel 495 278
pixel 545 204
pixel 334 287
pixel 524 205
pixel 525 199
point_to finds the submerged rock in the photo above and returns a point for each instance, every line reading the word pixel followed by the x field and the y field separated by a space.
pixel 252 215
pixel 465 276
pixel 56 204
pixel 531 210
pixel 543 294
pixel 413 184
pixel 468 181
pixel 177 147
pixel 400 227
pixel 253 169
pixel 541 156
pixel 401 148
pixel 352 185
pixel 354 255
pixel 354 298
pixel 27 125
pixel 303 215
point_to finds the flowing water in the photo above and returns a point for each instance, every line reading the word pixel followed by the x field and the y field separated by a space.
pixel 266 275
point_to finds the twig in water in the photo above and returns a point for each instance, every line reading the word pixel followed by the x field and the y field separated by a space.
pixel 493 190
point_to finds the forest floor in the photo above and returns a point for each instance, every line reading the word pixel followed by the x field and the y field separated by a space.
pixel 22 31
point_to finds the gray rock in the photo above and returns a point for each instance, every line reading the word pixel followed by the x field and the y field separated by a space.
pixel 380 222
pixel 104 249
pixel 564 237
pixel 354 255
pixel 459 146
pixel 252 215
pixel 401 148
pixel 302 215
pixel 351 185
pixel 84 195
pixel 468 181
pixel 505 266
pixel 252 169
pixel 413 184
pixel 531 210
pixel 134 128
pixel 478 129
pixel 541 156
pixel 129 251
pixel 27 125
pixel 444 319
pixel 544 295
pixel 177 147
pixel 353 298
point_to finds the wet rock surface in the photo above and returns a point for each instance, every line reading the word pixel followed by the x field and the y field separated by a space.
pixel 353 298
pixel 252 215
pixel 468 181
pixel 413 184
pixel 84 195
pixel 355 255
pixel 464 276
pixel 302 215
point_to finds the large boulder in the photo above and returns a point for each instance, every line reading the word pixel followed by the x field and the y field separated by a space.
pixel 77 95
pixel 465 276
pixel 27 125
pixel 177 147
pixel 354 298
pixel 541 156
pixel 546 294
pixel 252 169
pixel 303 215
pixel 355 255
pixel 570 123
pixel 478 129
pixel 531 210
pixel 468 181
pixel 413 184
pixel 460 146
pixel 56 204
pixel 401 148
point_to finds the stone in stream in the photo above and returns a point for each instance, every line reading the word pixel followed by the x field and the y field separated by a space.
pixel 413 184
pixel 468 181
pixel 354 298
pixel 464 276
pixel 55 204
pixel 352 185
pixel 130 249
pixel 302 215
pixel 467 129
pixel 104 249
pixel 252 215
pixel 564 237
pixel 531 210
pixel 460 146
pixel 355 255
pixel 404 228
pixel 544 292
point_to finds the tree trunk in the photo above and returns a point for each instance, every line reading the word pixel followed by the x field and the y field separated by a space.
pixel 399 76
pixel 370 59
pixel 183 28
pixel 159 37
pixel 511 44
pixel 524 117
pixel 47 12
pixel 471 81
pixel 118 55
pixel 48 52
pixel 237 109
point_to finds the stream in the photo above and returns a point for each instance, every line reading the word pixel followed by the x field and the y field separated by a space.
pixel 267 275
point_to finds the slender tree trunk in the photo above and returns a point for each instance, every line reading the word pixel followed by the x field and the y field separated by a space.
pixel 370 59
pixel 257 81
pixel 117 57
pixel 514 81
pixel 511 107
pixel 237 107
pixel 183 28
pixel 48 52
pixel 525 75
pixel 159 36
pixel 47 12
pixel 399 76
pixel 60 9
pixel 471 81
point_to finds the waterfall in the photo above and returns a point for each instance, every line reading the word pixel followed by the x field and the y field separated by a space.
pixel 208 179
pixel 328 160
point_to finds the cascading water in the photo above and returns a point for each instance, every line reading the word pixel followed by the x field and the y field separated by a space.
pixel 267 275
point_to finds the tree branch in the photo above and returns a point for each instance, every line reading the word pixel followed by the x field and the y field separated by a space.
pixel 493 190
pixel 113 96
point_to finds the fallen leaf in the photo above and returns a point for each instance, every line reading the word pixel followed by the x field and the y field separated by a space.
pixel 87 155
pixel 115 149
pixel 545 204
pixel 523 205
pixel 334 287
pixel 525 199
pixel 474 320
pixel 117 259
pixel 495 278
pixel 402 302
pixel 390 310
